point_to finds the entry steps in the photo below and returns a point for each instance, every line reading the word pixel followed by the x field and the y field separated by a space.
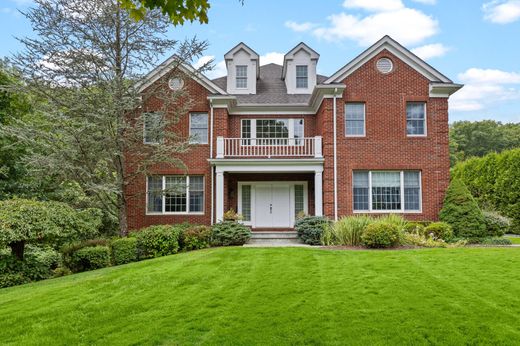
pixel 274 239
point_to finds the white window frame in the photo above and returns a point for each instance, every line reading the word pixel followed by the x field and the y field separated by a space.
pixel 306 77
pixel 425 120
pixel 241 78
pixel 187 212
pixel 290 123
pixel 398 211
pixel 192 139
pixel 144 128
pixel 364 120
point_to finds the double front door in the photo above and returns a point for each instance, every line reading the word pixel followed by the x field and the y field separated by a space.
pixel 272 205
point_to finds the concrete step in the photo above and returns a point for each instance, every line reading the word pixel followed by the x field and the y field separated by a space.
pixel 274 235
pixel 275 243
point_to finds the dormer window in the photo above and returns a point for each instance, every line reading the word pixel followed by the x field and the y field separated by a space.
pixel 241 77
pixel 302 77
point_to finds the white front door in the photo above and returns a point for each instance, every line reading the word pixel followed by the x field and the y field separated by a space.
pixel 272 206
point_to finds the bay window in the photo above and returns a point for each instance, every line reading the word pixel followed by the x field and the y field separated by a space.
pixel 386 191
pixel 175 194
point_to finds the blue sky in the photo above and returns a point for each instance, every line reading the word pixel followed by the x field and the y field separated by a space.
pixel 472 42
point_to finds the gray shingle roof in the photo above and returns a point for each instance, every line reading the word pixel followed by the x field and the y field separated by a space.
pixel 270 88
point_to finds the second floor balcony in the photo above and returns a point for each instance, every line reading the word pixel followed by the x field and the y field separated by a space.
pixel 306 147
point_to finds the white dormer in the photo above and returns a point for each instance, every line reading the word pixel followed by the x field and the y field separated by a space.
pixel 243 69
pixel 299 69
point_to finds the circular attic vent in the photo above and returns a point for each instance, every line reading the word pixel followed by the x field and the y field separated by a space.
pixel 175 83
pixel 384 65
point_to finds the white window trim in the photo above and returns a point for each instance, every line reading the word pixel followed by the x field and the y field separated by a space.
pixel 237 77
pixel 296 76
pixel 364 121
pixel 292 201
pixel 189 128
pixel 400 211
pixel 290 124
pixel 187 212
pixel 144 130
pixel 425 120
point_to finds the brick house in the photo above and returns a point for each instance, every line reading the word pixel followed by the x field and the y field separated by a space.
pixel 274 141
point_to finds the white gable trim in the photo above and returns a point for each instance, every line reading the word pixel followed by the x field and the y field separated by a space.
pixel 290 55
pixel 166 66
pixel 399 51
pixel 229 55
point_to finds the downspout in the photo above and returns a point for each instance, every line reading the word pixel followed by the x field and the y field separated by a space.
pixel 211 156
pixel 335 160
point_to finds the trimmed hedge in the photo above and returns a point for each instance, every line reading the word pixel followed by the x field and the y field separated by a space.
pixel 90 258
pixel 157 241
pixel 310 229
pixel 380 235
pixel 124 250
pixel 227 233
pixel 196 237
pixel 439 230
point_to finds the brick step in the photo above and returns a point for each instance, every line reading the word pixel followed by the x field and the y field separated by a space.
pixel 274 235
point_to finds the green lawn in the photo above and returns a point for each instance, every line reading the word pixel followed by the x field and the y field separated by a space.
pixel 277 296
pixel 514 240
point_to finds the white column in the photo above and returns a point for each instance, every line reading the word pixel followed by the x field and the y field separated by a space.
pixel 220 147
pixel 318 193
pixel 317 147
pixel 220 196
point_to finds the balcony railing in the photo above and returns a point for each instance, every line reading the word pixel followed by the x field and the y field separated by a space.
pixel 269 147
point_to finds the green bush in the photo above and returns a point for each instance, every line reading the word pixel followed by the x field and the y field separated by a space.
pixel 68 250
pixel 90 258
pixel 157 241
pixel 124 250
pixel 462 213
pixel 439 230
pixel 380 235
pixel 418 239
pixel 310 229
pixel 395 219
pixel 496 224
pixel 346 231
pixel 196 237
pixel 496 241
pixel 414 228
pixel 227 233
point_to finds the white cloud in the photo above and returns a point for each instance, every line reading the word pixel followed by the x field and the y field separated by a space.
pixel 484 88
pixel 299 27
pixel 367 30
pixel 502 12
pixel 426 2
pixel 374 5
pixel 430 51
pixel 272 57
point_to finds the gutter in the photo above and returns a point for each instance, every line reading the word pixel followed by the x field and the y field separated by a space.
pixel 335 159
pixel 211 156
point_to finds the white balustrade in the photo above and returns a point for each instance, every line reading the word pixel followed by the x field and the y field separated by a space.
pixel 269 147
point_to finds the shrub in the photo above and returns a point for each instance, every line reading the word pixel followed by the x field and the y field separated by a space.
pixel 380 235
pixel 310 229
pixel 396 220
pixel 124 250
pixel 496 241
pixel 196 237
pixel 61 271
pixel 90 258
pixel 496 224
pixel 68 250
pixel 156 241
pixel 414 228
pixel 461 211
pixel 418 239
pixel 439 230
pixel 346 231
pixel 227 233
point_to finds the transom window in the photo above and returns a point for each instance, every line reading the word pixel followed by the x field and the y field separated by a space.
pixel 355 119
pixel 199 128
pixel 416 118
pixel 175 194
pixel 272 131
pixel 241 76
pixel 302 79
pixel 153 127
pixel 384 191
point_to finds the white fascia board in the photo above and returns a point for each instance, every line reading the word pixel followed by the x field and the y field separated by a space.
pixel 444 90
pixel 163 68
pixel 267 165
pixel 399 51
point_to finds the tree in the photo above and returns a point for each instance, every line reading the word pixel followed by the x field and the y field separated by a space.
pixel 86 62
pixel 28 221
pixel 461 211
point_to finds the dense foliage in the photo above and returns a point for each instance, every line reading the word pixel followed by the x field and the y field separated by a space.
pixel 346 231
pixel 496 224
pixel 124 250
pixel 439 230
pixel 227 233
pixel 196 237
pixel 462 213
pixel 90 258
pixel 310 228
pixel 156 241
pixel 494 180
pixel 380 235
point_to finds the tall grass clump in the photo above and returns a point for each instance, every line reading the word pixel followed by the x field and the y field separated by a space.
pixel 346 231
pixel 396 220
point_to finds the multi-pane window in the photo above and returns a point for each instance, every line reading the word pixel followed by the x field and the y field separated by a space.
pixel 299 204
pixel 382 191
pixel 272 131
pixel 199 128
pixel 241 76
pixel 416 118
pixel 175 194
pixel 302 79
pixel 153 127
pixel 298 131
pixel 355 119
pixel 246 202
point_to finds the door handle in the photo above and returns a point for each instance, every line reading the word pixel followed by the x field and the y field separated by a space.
pixel 270 208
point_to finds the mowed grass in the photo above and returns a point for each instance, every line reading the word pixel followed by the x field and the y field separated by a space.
pixel 277 296
pixel 514 240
